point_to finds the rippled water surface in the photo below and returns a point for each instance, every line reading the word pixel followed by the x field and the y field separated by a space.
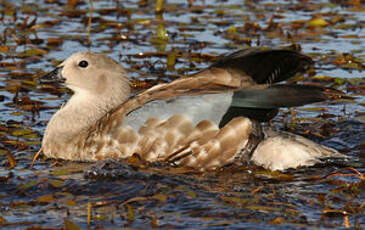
pixel 186 37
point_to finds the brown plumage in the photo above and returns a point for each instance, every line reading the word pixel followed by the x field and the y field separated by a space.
pixel 176 122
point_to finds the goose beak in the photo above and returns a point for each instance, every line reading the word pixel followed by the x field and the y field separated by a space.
pixel 52 77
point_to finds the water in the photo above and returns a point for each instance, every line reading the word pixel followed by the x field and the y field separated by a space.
pixel 55 193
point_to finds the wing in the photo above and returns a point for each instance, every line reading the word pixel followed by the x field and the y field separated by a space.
pixel 251 68
pixel 270 66
pixel 266 65
pixel 210 81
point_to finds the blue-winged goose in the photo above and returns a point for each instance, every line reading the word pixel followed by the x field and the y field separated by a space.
pixel 204 121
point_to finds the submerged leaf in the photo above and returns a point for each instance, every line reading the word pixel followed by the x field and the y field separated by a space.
pixel 54 41
pixel 171 60
pixel 65 171
pixel 277 220
pixel 275 175
pixel 46 198
pixel 4 49
pixel 191 194
pixel 161 32
pixel 236 200
pixel 22 132
pixel 56 183
pixel 29 184
pixel 33 52
pixel 159 6
pixel 70 203
pixel 232 30
pixel 11 159
pixel 154 222
pixel 318 22
pixel 160 197
pixel 130 214
pixel 2 220
pixel 69 225
pixel 89 213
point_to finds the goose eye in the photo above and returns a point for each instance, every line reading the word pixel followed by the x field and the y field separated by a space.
pixel 83 64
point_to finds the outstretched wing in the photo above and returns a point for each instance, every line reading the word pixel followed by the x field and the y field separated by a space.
pixel 252 68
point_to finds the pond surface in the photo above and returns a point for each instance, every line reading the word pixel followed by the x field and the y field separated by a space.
pixel 154 47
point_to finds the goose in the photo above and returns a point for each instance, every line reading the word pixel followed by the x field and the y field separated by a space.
pixel 203 121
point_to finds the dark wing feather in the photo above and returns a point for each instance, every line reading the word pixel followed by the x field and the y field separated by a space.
pixel 262 104
pixel 264 65
pixel 277 96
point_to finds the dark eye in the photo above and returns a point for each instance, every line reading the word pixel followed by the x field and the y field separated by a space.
pixel 83 64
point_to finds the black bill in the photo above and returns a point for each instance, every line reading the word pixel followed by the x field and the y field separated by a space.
pixel 52 77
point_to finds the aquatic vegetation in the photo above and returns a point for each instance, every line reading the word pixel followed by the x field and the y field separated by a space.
pixel 159 41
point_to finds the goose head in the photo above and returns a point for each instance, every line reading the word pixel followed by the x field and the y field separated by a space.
pixel 92 74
